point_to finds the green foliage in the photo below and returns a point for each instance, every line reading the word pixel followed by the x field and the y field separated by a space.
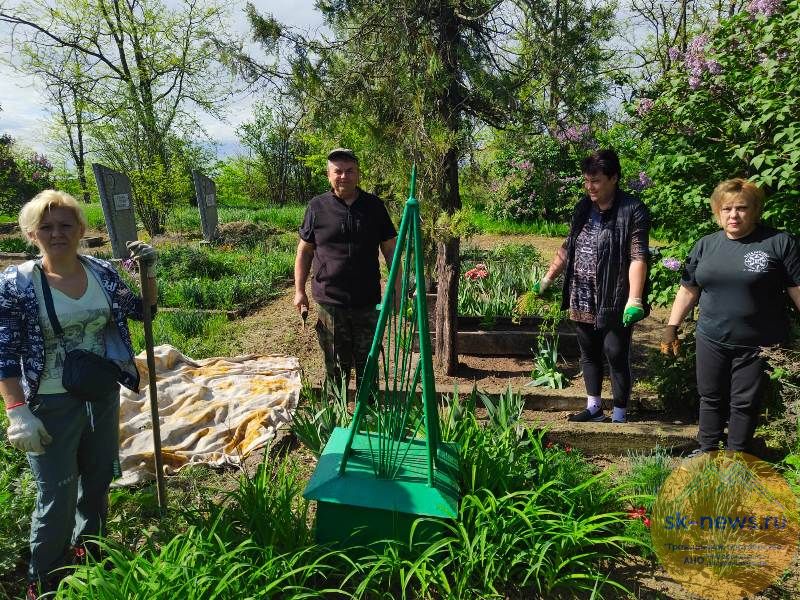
pixel 196 334
pixel 493 280
pixel 319 413
pixel 22 175
pixel 735 112
pixel 673 377
pixel 269 507
pixel 208 278
pixel 549 531
pixel 485 223
pixel 156 188
pixel 663 276
pixel 16 244
pixel 545 367
pixel 17 495
pixel 534 177
pixel 648 472
pixel 273 137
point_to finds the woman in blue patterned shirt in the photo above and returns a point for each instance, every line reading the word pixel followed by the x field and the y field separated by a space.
pixel 72 445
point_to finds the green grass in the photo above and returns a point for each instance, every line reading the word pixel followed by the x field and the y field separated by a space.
pixel 489 225
pixel 17 494
pixel 196 334
pixel 548 527
pixel 217 279
pixel 186 219
pixel 16 244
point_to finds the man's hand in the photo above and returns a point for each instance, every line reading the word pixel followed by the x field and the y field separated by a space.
pixel 25 431
pixel 300 301
pixel 633 313
pixel 670 344
pixel 540 287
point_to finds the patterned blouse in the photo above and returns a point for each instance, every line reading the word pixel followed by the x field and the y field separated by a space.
pixel 583 288
pixel 21 339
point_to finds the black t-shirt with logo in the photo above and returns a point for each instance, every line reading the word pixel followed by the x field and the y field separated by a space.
pixel 346 241
pixel 743 283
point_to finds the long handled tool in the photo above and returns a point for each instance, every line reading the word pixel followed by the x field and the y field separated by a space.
pixel 147 302
pixel 304 316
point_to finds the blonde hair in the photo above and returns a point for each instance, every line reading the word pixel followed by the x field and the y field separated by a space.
pixel 33 211
pixel 737 188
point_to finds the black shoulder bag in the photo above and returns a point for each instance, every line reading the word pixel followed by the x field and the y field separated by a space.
pixel 88 376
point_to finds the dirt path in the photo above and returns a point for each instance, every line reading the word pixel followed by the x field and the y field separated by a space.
pixel 276 328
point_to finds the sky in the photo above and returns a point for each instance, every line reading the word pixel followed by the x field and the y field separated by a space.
pixel 23 114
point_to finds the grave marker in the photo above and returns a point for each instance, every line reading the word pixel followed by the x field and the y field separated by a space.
pixel 117 202
pixel 206 191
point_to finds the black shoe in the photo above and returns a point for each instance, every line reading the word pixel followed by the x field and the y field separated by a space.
pixel 586 415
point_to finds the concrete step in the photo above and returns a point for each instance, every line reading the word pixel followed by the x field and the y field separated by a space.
pixel 641 434
pixel 535 398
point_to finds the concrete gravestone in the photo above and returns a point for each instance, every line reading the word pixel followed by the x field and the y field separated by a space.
pixel 206 191
pixel 117 202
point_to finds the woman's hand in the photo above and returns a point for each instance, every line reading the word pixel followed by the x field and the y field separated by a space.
pixel 670 344
pixel 145 254
pixel 633 313
pixel 25 431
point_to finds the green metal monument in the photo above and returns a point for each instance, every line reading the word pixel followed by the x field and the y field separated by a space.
pixel 390 467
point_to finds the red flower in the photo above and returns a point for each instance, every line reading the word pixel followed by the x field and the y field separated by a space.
pixel 567 448
pixel 549 444
pixel 646 521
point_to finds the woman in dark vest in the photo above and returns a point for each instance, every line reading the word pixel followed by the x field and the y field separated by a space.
pixel 741 276
pixel 604 261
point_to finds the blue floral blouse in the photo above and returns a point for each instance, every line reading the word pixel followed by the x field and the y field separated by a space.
pixel 21 338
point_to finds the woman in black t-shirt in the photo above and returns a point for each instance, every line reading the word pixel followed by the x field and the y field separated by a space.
pixel 740 276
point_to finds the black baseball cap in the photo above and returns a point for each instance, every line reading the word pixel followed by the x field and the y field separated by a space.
pixel 338 153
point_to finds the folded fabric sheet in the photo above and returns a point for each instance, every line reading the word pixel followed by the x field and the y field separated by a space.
pixel 214 411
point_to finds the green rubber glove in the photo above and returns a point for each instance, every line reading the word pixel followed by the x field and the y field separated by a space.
pixel 634 312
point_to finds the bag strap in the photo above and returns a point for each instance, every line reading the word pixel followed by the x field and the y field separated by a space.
pixel 48 304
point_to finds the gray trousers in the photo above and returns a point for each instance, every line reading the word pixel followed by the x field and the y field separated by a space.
pixel 72 476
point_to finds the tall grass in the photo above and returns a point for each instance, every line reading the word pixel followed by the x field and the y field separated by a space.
pixel 186 219
pixel 534 522
pixel 487 224
pixel 17 494
pixel 196 334
pixel 207 278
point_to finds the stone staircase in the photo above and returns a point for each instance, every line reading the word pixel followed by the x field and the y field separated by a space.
pixel 549 408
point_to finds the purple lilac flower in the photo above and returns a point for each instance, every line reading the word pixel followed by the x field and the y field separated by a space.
pixel 674 54
pixel 642 182
pixel 694 82
pixel 673 264
pixel 129 264
pixel 713 67
pixel 764 7
pixel 573 133
pixel 644 106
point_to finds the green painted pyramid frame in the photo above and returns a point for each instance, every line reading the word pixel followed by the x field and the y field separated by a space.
pixel 390 467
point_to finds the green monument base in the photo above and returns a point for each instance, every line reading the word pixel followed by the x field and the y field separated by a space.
pixel 357 508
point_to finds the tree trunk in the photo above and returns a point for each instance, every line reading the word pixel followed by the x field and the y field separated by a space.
pixel 447 260
pixel 447 272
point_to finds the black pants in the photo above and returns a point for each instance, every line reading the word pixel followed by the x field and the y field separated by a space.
pixel 615 344
pixel 730 382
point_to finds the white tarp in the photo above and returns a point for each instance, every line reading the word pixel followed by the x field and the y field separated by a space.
pixel 214 411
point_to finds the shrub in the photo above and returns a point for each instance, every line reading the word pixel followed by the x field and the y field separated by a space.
pixel 729 107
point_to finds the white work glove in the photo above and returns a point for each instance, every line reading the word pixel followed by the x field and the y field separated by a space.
pixel 145 254
pixel 540 287
pixel 25 431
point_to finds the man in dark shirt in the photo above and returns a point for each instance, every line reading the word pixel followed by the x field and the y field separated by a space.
pixel 342 232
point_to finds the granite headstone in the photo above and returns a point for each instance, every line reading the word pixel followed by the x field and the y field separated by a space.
pixel 117 202
pixel 206 192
